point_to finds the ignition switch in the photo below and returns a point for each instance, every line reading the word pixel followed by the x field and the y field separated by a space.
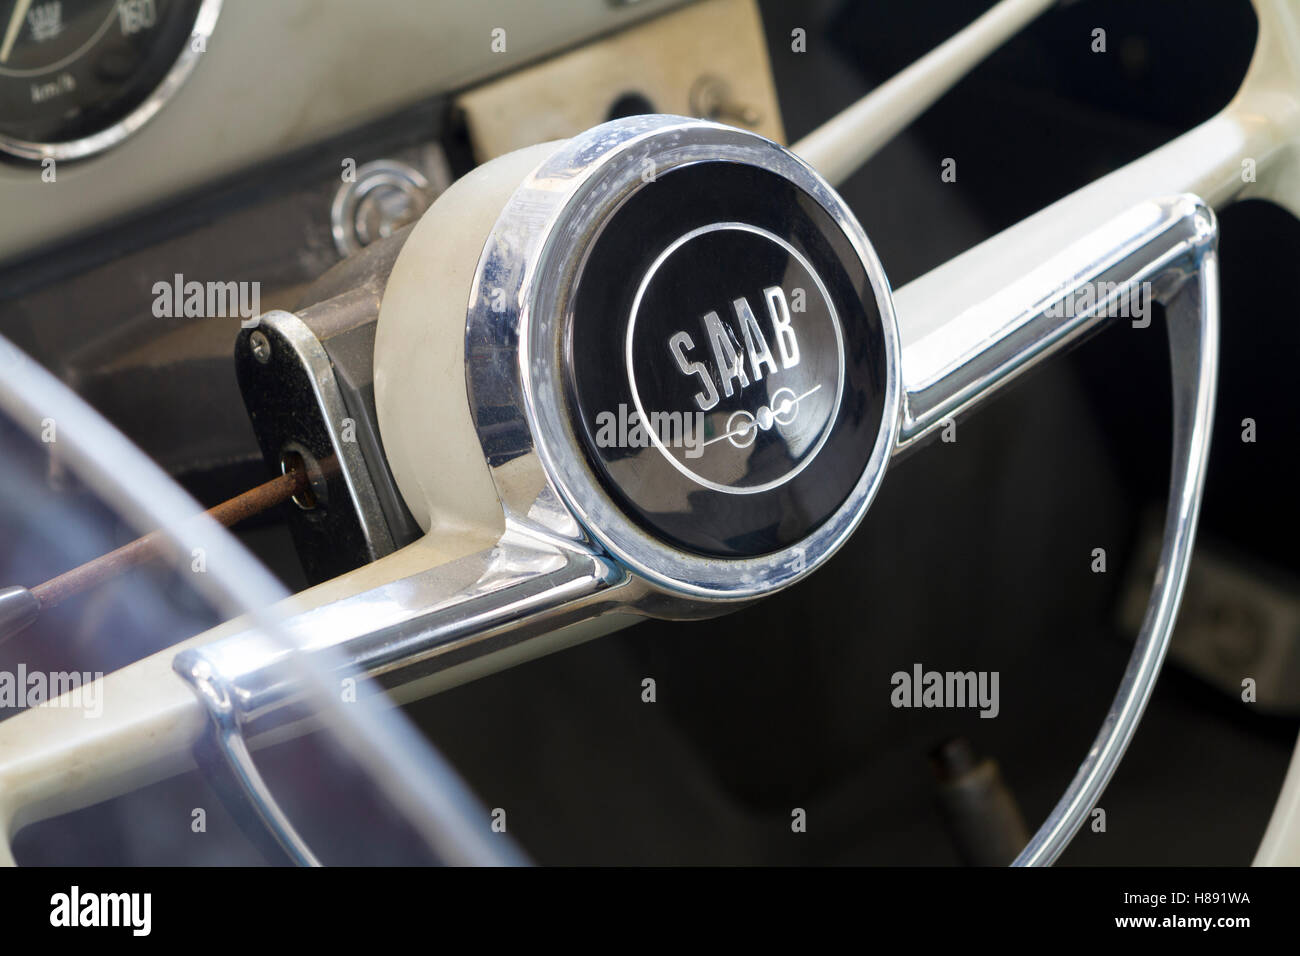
pixel 386 195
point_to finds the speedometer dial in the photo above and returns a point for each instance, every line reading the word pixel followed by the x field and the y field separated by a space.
pixel 78 76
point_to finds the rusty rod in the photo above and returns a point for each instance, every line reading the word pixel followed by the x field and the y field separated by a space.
pixel 230 512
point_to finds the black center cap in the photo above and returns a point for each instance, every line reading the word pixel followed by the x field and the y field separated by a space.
pixel 727 360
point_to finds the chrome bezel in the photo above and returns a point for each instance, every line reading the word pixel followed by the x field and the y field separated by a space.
pixel 529 263
pixel 204 23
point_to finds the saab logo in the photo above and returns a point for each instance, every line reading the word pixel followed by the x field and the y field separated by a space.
pixel 712 331
pixel 728 358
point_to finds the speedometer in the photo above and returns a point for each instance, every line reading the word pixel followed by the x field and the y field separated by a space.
pixel 79 76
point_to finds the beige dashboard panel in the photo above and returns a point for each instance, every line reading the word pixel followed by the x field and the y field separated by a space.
pixel 678 63
pixel 278 76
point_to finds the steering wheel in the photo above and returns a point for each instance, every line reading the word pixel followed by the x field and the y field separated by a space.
pixel 657 370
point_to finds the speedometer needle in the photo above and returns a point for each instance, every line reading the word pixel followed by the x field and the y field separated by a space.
pixel 15 25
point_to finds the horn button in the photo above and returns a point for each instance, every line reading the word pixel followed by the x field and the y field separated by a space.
pixel 727 361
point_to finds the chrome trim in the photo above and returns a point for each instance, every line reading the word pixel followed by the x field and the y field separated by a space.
pixel 19 607
pixel 352 463
pixel 450 615
pixel 1192 316
pixel 516 373
pixel 391 173
pixel 218 695
pixel 958 364
pixel 1170 244
pixel 965 360
pixel 205 22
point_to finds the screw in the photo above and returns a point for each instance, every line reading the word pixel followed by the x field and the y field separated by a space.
pixel 710 97
pixel 261 347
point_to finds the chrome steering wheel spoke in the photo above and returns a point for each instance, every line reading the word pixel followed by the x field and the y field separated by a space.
pixel 1160 251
